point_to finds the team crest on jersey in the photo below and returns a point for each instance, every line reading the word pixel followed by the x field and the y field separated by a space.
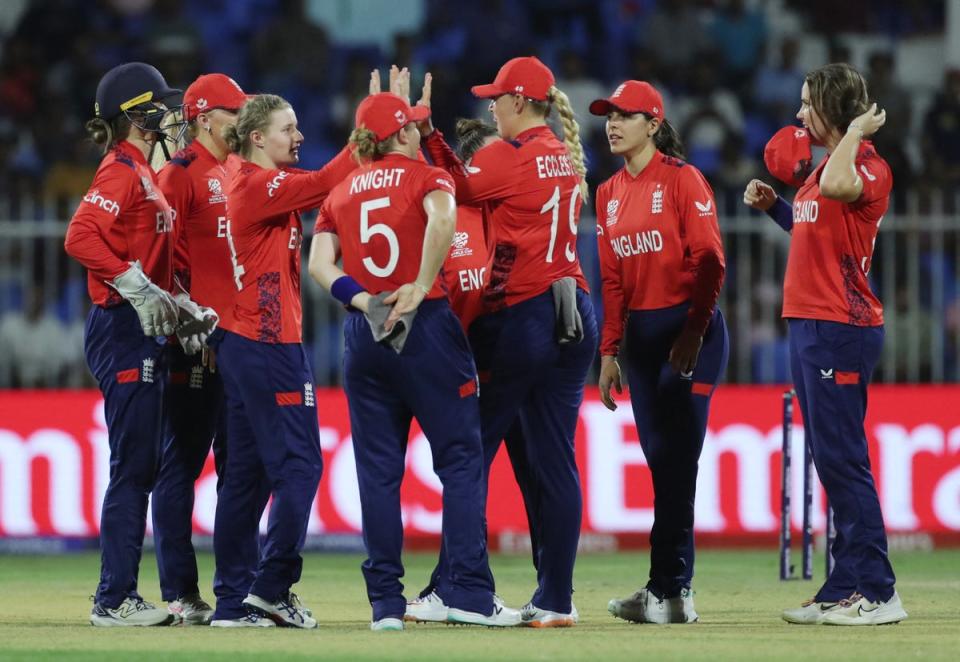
pixel 459 245
pixel 148 191
pixel 216 191
pixel 309 399
pixel 196 377
pixel 656 202
pixel 612 208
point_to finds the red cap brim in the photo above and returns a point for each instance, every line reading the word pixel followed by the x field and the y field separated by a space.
pixel 419 113
pixel 602 107
pixel 486 91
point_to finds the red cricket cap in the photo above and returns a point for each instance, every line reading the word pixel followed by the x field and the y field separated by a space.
pixel 788 155
pixel 526 76
pixel 633 96
pixel 212 91
pixel 386 113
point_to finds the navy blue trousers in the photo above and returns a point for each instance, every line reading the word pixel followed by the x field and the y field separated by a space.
pixel 433 379
pixel 832 364
pixel 670 410
pixel 533 382
pixel 195 418
pixel 131 370
pixel 273 449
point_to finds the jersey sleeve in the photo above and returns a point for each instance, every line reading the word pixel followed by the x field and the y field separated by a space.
pixel 877 183
pixel 435 179
pixel 325 222
pixel 280 191
pixel 703 247
pixel 490 175
pixel 112 192
pixel 177 188
pixel 611 283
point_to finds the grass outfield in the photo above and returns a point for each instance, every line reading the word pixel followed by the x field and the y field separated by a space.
pixel 44 607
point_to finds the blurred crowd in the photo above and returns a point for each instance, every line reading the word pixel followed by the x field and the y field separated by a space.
pixel 730 72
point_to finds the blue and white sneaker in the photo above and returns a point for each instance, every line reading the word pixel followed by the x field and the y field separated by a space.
pixel 502 616
pixel 284 612
pixel 191 610
pixel 428 609
pixel 389 624
pixel 645 607
pixel 251 620
pixel 857 610
pixel 130 612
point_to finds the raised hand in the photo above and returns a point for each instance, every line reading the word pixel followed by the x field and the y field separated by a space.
pixel 870 122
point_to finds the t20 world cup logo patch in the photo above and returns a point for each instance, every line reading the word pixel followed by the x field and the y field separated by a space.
pixel 612 208
pixel 459 246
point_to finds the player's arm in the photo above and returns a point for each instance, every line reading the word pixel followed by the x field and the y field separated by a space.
pixel 840 179
pixel 490 175
pixel 113 190
pixel 760 195
pixel 703 249
pixel 278 192
pixel 110 194
pixel 323 268
pixel 614 310
pixel 441 208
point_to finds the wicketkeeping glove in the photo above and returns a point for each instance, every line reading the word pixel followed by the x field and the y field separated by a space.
pixel 155 307
pixel 195 322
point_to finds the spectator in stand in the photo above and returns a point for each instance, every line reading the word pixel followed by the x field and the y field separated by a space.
pixel 580 87
pixel 890 96
pixel 662 34
pixel 941 136
pixel 775 88
pixel 740 33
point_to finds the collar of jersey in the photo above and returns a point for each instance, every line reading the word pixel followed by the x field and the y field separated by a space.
pixel 532 133
pixel 130 150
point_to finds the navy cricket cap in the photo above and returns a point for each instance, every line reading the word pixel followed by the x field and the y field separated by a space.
pixel 129 85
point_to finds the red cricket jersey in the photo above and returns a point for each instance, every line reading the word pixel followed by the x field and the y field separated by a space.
pixel 264 238
pixel 831 247
pixel 466 270
pixel 377 213
pixel 534 199
pixel 123 217
pixel 195 184
pixel 659 245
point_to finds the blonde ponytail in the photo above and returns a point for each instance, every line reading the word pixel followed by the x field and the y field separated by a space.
pixel 368 148
pixel 571 136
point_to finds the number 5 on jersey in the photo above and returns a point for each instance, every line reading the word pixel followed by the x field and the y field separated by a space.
pixel 367 232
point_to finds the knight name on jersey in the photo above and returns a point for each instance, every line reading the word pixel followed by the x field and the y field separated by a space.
pixel 805 211
pixel 649 241
pixel 374 179
pixel 552 165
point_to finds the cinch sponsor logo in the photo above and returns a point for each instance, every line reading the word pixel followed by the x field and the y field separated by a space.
pixel 94 198
pixel 650 241
pixel 376 179
pixel 274 184
pixel 806 211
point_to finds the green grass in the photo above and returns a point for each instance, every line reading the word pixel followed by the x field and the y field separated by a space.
pixel 44 607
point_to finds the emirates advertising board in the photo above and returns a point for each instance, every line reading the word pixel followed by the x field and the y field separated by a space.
pixel 54 468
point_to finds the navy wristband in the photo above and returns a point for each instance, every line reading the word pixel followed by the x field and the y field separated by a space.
pixel 782 213
pixel 345 288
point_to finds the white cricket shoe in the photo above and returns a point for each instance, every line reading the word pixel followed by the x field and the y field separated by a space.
pixel 428 609
pixel 132 611
pixel 191 610
pixel 284 612
pixel 857 610
pixel 810 612
pixel 388 624
pixel 645 607
pixel 534 617
pixel 501 617
pixel 251 620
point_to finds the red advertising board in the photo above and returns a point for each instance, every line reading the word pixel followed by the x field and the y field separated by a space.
pixel 54 468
